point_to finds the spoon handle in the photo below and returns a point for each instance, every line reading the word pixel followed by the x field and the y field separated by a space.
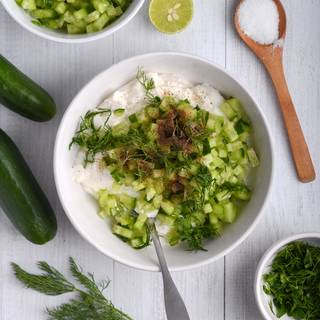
pixel 299 147
pixel 175 307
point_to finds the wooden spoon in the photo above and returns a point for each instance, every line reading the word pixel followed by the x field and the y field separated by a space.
pixel 271 57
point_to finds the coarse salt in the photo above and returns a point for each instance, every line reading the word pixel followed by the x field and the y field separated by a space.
pixel 259 19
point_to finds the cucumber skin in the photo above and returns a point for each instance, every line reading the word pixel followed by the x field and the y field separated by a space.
pixel 21 197
pixel 22 95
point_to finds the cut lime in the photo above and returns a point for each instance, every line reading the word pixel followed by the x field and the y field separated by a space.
pixel 170 16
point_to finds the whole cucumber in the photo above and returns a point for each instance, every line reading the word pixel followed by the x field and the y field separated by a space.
pixel 21 197
pixel 22 95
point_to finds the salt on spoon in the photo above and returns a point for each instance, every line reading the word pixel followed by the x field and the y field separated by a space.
pixel 264 33
pixel 259 19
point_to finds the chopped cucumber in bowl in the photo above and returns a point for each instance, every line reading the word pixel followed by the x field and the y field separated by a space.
pixel 74 16
pixel 72 21
pixel 188 167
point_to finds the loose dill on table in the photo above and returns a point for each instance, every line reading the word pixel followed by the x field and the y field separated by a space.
pixel 89 304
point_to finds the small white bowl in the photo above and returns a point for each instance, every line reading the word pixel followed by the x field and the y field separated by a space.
pixel 82 209
pixel 24 19
pixel 264 266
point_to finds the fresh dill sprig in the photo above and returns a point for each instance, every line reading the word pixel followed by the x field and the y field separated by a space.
pixel 148 85
pixel 51 282
pixel 90 137
pixel 90 304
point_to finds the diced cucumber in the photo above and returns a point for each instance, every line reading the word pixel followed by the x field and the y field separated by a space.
pixel 103 197
pixel 150 193
pixel 152 132
pixel 152 112
pixel 239 171
pixel 80 14
pixel 142 218
pixel 122 232
pixel 216 224
pixel 194 168
pixel 207 159
pixel 93 16
pixel 138 185
pixel 100 6
pixel 44 13
pixel 234 146
pixel 159 186
pixel 217 163
pixel 165 219
pixel 121 128
pixel 223 195
pixel 237 155
pixel 127 201
pixel 237 107
pixel 230 212
pixel 207 208
pixel 156 201
pixel 133 118
pixel 29 5
pixel 228 111
pixel 223 153
pixel 68 17
pixel 253 158
pixel 137 243
pixel 242 194
pixel 218 211
pixel 242 127
pixel 100 23
pixel 61 7
pixel 211 124
pixel 167 207
pixel 173 237
pixel 188 110
pixel 230 132
pixel 124 219
pixel 166 103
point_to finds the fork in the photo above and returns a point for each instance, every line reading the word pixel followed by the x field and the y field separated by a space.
pixel 174 305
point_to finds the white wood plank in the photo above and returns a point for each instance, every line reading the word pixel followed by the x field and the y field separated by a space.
pixel 293 206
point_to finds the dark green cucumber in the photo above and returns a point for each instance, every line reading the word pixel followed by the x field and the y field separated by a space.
pixel 21 197
pixel 22 95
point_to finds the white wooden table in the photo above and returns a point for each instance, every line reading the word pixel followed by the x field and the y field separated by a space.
pixel 222 290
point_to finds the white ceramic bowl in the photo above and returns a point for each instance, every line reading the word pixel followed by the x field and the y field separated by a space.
pixel 82 210
pixel 264 266
pixel 20 16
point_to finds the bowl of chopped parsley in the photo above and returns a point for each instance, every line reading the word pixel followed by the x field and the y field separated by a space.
pixel 287 283
pixel 72 21
pixel 183 162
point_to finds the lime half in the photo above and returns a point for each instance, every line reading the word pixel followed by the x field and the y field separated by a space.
pixel 170 16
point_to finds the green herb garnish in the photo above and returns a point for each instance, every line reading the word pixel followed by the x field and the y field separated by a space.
pixel 90 303
pixel 90 137
pixel 294 282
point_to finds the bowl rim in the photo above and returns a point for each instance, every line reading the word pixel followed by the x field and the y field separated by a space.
pixel 94 36
pixel 262 265
pixel 156 268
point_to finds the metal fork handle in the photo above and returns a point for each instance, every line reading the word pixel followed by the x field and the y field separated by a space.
pixel 175 307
